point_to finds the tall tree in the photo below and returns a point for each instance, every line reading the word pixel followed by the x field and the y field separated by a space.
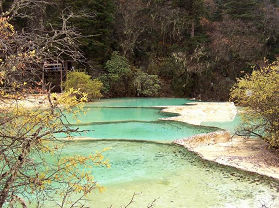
pixel 241 9
pixel 193 9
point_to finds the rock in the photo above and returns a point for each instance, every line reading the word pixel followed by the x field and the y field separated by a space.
pixel 206 139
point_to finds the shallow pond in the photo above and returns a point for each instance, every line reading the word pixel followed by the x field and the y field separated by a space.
pixel 159 170
pixel 173 176
pixel 134 119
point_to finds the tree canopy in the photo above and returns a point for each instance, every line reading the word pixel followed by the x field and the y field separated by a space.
pixel 259 94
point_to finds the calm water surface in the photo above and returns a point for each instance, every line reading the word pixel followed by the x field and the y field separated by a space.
pixel 134 119
pixel 165 172
pixel 173 176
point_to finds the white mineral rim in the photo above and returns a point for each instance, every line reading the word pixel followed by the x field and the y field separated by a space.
pixel 220 147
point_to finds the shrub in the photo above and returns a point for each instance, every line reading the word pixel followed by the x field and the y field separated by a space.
pixel 119 74
pixel 83 81
pixel 259 94
pixel 118 65
pixel 146 85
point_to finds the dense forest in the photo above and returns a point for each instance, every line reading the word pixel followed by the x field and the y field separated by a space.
pixel 178 48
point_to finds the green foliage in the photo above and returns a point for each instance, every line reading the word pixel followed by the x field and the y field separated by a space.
pixel 82 81
pixel 97 31
pixel 234 33
pixel 193 7
pixel 259 93
pixel 241 9
pixel 117 66
pixel 119 74
pixel 146 85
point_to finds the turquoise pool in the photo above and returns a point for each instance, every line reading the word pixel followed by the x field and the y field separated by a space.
pixel 230 126
pixel 134 119
pixel 144 162
pixel 172 175
pixel 163 131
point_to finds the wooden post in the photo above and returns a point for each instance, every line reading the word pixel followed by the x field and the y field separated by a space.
pixel 193 29
pixel 43 79
pixel 61 76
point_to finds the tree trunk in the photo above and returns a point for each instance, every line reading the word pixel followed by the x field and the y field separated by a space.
pixel 193 29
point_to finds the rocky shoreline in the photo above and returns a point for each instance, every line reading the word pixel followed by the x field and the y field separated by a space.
pixel 248 154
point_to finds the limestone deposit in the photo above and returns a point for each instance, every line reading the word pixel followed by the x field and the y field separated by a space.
pixel 198 112
pixel 249 154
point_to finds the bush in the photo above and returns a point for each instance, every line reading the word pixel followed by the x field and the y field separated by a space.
pixel 146 85
pixel 83 81
pixel 119 75
pixel 259 94
pixel 117 66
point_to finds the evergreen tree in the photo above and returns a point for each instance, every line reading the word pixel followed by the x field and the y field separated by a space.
pixel 100 28
pixel 194 9
pixel 241 9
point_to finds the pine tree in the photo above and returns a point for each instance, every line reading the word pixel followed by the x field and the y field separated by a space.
pixel 194 9
pixel 241 9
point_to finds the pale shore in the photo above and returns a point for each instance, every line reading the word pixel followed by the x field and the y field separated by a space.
pixel 249 154
pixel 196 113
pixel 29 101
